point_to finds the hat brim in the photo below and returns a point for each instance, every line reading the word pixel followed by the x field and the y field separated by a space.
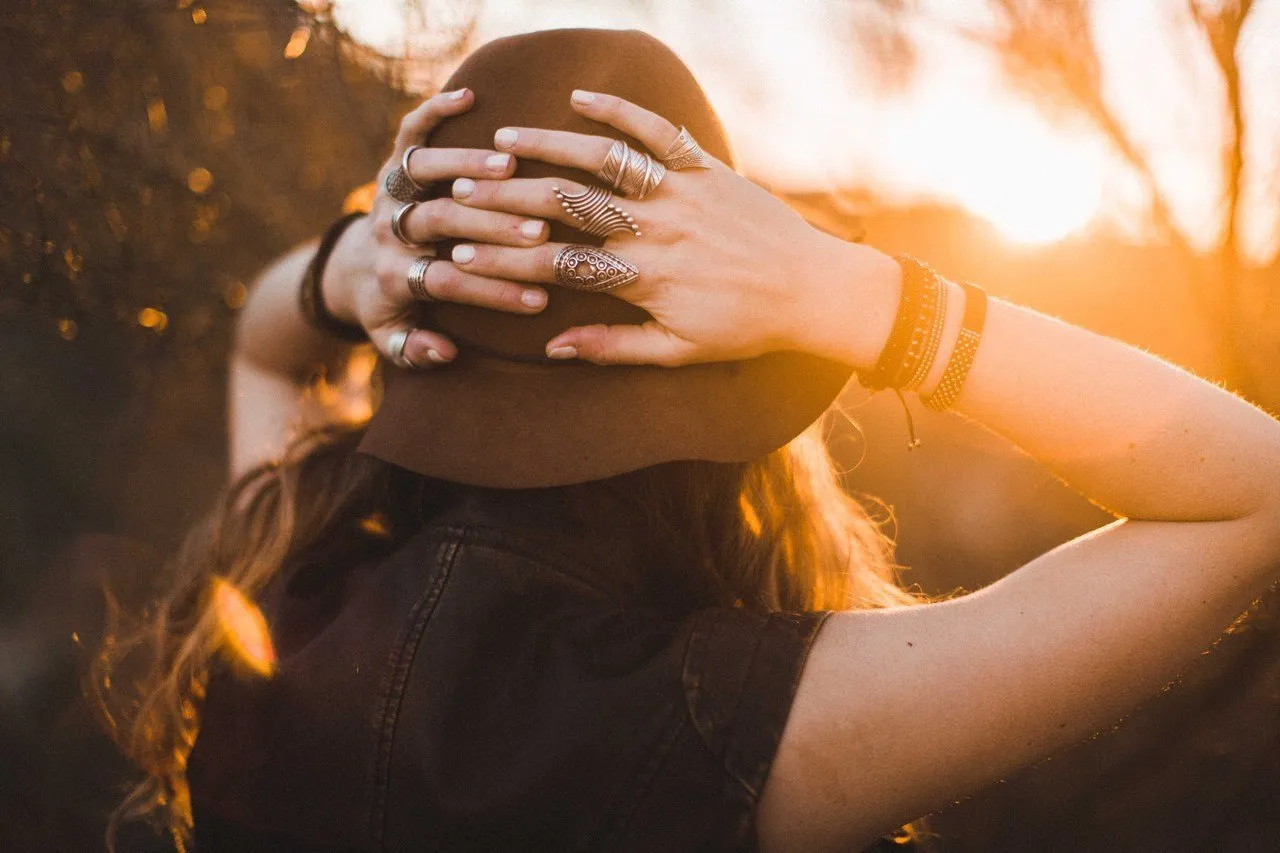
pixel 494 422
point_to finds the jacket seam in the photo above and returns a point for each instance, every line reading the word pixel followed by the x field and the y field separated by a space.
pixel 400 662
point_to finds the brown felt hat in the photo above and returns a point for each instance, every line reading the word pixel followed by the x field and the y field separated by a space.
pixel 503 415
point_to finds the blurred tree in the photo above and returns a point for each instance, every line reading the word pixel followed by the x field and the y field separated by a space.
pixel 1050 50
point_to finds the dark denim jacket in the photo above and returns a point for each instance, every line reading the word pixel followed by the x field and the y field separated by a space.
pixel 505 681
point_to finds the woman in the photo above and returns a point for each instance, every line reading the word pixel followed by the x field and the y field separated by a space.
pixel 555 605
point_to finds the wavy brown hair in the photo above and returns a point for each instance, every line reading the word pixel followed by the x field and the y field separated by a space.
pixel 776 533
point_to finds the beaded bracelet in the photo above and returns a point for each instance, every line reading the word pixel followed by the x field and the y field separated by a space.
pixel 962 355
pixel 916 307
pixel 311 300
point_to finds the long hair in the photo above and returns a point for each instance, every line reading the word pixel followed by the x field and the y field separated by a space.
pixel 776 533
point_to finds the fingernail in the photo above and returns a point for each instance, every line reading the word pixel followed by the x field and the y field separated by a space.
pixel 458 95
pixel 435 356
pixel 534 298
pixel 463 254
pixel 581 97
pixel 531 229
pixel 505 138
pixel 562 352
pixel 498 162
pixel 463 187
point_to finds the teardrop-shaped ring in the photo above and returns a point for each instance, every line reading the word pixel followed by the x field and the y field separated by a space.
pixel 595 211
pixel 685 153
pixel 629 172
pixel 591 269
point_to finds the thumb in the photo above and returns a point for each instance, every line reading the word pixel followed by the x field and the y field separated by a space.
pixel 650 343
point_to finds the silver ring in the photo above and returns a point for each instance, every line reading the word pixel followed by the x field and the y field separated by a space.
pixel 685 153
pixel 595 211
pixel 395 347
pixel 591 269
pixel 418 278
pixel 629 172
pixel 397 223
pixel 408 176
pixel 400 187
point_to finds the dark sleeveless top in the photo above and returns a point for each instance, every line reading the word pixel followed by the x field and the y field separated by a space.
pixel 505 681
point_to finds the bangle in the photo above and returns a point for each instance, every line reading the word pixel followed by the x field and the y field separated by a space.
pixel 966 348
pixel 311 300
pixel 927 350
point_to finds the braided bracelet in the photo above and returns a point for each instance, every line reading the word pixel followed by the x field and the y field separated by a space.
pixel 311 300
pixel 966 348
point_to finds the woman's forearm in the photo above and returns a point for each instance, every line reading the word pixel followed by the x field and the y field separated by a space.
pixel 1133 433
pixel 272 334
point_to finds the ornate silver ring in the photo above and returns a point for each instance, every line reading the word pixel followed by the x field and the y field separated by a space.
pixel 591 269
pixel 630 172
pixel 595 211
pixel 685 153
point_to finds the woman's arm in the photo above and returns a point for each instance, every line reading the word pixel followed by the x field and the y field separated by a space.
pixel 899 712
pixel 277 353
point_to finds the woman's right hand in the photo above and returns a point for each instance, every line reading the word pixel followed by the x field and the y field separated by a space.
pixel 727 270
pixel 366 279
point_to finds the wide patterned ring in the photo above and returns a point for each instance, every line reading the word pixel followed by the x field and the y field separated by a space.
pixel 593 270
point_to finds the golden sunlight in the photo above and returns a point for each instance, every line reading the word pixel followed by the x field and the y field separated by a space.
pixel 243 628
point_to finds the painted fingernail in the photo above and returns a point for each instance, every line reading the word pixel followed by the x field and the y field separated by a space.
pixel 534 298
pixel 562 352
pixel 531 229
pixel 498 162
pixel 458 95
pixel 464 254
pixel 505 138
pixel 463 187
pixel 581 97
pixel 435 356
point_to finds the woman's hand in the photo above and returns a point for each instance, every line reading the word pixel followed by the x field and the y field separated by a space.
pixel 727 270
pixel 366 280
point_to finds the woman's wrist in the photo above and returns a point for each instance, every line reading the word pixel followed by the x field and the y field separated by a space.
pixel 346 264
pixel 857 296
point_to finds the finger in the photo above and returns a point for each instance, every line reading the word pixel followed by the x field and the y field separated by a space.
pixel 427 165
pixel 419 122
pixel 528 197
pixel 533 264
pixel 650 343
pixel 554 146
pixel 446 282
pixel 420 349
pixel 443 218
pixel 650 129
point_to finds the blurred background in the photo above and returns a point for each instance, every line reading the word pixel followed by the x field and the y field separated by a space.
pixel 1115 163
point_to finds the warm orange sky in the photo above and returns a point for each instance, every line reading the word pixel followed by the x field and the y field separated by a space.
pixel 802 105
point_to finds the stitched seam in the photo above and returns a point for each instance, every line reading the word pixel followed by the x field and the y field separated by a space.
pixel 392 694
pixel 694 715
pixel 644 780
pixel 535 552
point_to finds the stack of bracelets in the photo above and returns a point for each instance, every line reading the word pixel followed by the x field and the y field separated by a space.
pixel 909 355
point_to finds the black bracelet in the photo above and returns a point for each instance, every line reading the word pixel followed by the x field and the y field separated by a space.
pixel 311 300
pixel 914 302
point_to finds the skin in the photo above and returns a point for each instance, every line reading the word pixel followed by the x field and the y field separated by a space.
pixel 899 712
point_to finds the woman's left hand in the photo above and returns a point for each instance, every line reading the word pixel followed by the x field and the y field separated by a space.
pixel 727 270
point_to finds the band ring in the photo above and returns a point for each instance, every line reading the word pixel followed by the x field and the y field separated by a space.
pixel 630 172
pixel 593 270
pixel 595 212
pixel 408 176
pixel 395 347
pixel 397 223
pixel 417 277
pixel 685 153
